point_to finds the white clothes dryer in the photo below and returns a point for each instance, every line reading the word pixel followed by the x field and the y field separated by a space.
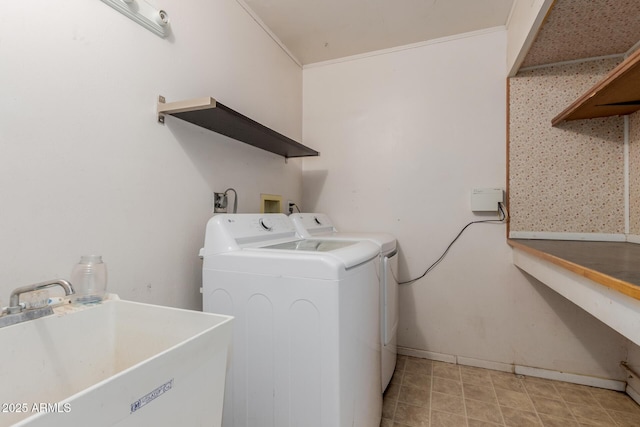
pixel 320 226
pixel 306 346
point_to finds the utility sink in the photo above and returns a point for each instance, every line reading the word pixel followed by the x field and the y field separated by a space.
pixel 118 363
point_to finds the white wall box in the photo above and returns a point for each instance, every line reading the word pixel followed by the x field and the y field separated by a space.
pixel 486 199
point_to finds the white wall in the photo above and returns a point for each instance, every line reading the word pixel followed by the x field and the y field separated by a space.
pixel 85 167
pixel 404 136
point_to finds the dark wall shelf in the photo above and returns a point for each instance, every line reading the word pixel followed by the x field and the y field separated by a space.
pixel 212 115
pixel 617 94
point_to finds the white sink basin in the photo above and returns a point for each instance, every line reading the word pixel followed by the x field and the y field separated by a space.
pixel 118 363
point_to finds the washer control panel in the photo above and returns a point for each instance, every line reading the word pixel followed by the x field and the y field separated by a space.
pixel 226 232
pixel 247 226
pixel 266 224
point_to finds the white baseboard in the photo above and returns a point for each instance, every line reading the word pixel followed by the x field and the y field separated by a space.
pixel 632 394
pixel 633 383
pixel 486 364
pixel 519 369
pixel 423 354
pixel 633 238
pixel 571 378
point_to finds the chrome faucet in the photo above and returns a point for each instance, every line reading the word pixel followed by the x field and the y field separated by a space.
pixel 14 301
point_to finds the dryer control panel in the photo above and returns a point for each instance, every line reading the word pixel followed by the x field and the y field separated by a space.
pixel 311 224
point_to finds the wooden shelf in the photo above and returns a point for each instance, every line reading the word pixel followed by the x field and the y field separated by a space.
pixel 611 264
pixel 600 277
pixel 608 97
pixel 212 115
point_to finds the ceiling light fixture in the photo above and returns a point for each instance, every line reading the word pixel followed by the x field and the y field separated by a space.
pixel 156 21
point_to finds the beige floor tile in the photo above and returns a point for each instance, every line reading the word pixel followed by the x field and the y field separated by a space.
pixel 622 403
pixel 483 411
pixel 415 396
pixel 420 366
pixel 389 408
pixel 396 378
pixel 514 399
pixel 475 377
pixel 556 408
pixel 392 391
pixel 478 423
pixel 551 421
pixel 400 362
pixel 541 388
pixel 443 419
pixel 484 394
pixel 573 385
pixel 386 423
pixel 625 419
pixel 515 418
pixel 414 416
pixel 443 385
pixel 475 370
pixel 417 380
pixel 446 370
pixel 497 374
pixel 600 393
pixel 576 394
pixel 507 381
pixel 447 403
pixel 425 393
pixel 590 424
pixel 590 414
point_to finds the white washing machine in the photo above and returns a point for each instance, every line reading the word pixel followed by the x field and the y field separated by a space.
pixel 320 226
pixel 306 346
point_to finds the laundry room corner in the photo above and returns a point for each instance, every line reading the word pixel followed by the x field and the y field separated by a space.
pixel 405 136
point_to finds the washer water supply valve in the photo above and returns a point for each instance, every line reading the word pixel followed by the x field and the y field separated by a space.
pixel 220 201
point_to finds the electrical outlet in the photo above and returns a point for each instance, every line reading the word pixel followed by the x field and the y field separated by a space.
pixel 219 203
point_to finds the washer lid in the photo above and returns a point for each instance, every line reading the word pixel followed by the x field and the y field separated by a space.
pixel 386 242
pixel 312 245
pixel 340 253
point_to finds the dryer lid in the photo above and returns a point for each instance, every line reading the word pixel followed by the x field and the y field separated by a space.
pixel 320 226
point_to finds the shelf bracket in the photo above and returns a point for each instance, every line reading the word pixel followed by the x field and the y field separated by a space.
pixel 182 106
pixel 161 100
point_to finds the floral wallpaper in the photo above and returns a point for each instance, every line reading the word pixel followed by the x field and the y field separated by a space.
pixel 568 178
pixel 577 29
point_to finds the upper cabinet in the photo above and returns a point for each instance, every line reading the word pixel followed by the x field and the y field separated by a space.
pixel 212 115
pixel 617 94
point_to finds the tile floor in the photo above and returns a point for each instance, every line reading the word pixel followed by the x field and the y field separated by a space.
pixel 425 393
